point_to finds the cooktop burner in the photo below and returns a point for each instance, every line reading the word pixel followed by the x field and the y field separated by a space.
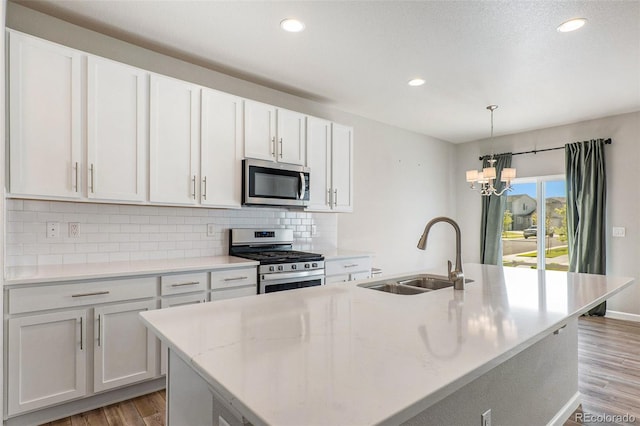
pixel 281 256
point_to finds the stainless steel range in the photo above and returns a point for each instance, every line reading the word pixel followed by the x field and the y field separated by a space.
pixel 281 268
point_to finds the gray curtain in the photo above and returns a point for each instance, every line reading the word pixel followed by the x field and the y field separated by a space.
pixel 586 201
pixel 492 212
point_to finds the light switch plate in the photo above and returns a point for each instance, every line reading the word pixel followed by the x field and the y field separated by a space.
pixel 618 231
pixel 211 230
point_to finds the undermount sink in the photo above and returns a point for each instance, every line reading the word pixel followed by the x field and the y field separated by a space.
pixel 414 284
pixel 429 282
pixel 394 288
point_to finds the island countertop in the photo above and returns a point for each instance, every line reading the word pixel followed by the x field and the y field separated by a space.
pixel 343 354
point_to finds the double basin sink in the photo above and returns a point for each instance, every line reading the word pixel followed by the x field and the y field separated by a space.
pixel 414 284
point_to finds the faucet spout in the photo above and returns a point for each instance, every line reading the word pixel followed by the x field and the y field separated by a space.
pixel 456 275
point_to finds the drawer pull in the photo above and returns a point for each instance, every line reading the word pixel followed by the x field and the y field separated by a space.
pixel 353 265
pixel 96 293
pixel 236 278
pixel 184 284
pixel 81 338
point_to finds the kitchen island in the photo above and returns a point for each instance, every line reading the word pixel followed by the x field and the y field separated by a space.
pixel 344 354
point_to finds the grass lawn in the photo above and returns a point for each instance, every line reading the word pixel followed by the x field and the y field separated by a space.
pixel 508 235
pixel 554 252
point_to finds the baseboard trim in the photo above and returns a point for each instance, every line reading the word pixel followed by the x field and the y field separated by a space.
pixel 566 411
pixel 625 316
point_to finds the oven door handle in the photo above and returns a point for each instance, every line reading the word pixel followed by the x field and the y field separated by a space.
pixel 288 275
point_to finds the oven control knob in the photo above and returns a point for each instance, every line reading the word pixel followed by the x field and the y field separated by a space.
pixel 280 268
pixel 271 268
pixel 306 265
pixel 294 266
pixel 315 265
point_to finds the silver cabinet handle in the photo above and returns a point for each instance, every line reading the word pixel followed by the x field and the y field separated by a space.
pixel 99 330
pixel 273 146
pixel 91 171
pixel 95 293
pixel 335 197
pixel 280 147
pixel 204 193
pixel 81 335
pixel 184 284
pixel 77 177
pixel 329 198
pixel 193 180
pixel 353 265
pixel 236 278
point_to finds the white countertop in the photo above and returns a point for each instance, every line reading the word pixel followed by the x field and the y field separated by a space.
pixel 56 273
pixel 342 354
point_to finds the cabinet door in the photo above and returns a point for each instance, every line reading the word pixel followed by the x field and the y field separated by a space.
pixel 291 140
pixel 342 167
pixel 44 124
pixel 169 302
pixel 173 141
pixel 319 161
pixel 124 349
pixel 116 136
pixel 47 360
pixel 220 159
pixel 259 131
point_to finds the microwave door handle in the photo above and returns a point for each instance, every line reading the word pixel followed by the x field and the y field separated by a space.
pixel 301 186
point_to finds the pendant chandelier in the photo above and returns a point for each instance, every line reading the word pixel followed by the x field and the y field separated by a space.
pixel 487 176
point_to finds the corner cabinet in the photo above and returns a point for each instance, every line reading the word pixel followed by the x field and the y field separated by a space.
pixel 330 157
pixel 116 131
pixel 274 134
pixel 45 133
pixel 173 142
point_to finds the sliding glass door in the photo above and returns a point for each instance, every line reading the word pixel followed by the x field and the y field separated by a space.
pixel 528 241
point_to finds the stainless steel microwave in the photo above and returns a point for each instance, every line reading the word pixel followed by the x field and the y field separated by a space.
pixel 274 184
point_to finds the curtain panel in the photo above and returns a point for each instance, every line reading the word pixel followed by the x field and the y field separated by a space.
pixel 586 201
pixel 492 212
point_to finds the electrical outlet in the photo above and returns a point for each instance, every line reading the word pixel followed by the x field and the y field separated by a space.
pixel 53 229
pixel 74 229
pixel 211 230
pixel 486 418
pixel 314 230
pixel 618 231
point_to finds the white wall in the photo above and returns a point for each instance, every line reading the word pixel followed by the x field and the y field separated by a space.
pixel 623 195
pixel 401 178
pixel 3 6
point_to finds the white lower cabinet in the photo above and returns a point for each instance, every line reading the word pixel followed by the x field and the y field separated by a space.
pixel 124 349
pixel 47 359
pixel 347 269
pixel 231 283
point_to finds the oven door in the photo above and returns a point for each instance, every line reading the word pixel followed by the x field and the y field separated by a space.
pixel 269 283
pixel 267 183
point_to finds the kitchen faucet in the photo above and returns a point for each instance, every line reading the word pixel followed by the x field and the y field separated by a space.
pixel 456 276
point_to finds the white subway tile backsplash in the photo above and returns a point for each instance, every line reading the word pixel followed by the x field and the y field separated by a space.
pixel 111 232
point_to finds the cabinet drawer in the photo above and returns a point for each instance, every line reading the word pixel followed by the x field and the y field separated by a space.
pixel 56 296
pixel 189 299
pixel 347 266
pixel 234 292
pixel 233 278
pixel 183 283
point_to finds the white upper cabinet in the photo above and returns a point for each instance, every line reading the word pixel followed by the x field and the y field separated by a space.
pixel 291 137
pixel 220 149
pixel 259 131
pixel 319 161
pixel 174 118
pixel 274 134
pixel 116 130
pixel 45 118
pixel 342 167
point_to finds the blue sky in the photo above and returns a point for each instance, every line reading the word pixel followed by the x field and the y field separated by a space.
pixel 555 188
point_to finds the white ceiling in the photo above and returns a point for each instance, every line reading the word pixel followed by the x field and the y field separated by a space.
pixel 357 56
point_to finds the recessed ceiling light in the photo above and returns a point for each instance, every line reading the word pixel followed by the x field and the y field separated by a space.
pixel 416 82
pixel 571 25
pixel 292 25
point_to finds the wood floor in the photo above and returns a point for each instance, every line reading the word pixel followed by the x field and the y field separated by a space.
pixel 609 381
